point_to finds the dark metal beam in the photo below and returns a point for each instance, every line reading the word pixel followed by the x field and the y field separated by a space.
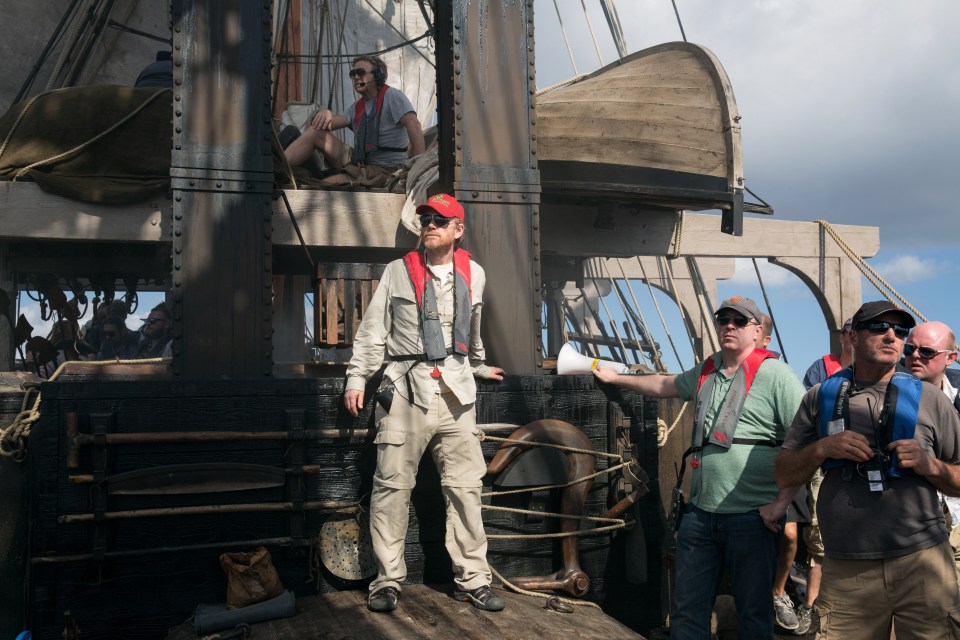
pixel 221 179
pixel 486 87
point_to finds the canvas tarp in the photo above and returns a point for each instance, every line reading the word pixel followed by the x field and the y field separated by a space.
pixel 116 142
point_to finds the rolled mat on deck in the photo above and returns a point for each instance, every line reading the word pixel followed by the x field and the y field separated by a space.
pixel 216 617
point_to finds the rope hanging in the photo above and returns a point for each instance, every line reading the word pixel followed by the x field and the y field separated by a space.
pixel 870 273
pixel 766 301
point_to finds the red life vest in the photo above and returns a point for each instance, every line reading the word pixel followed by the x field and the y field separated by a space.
pixel 433 342
pixel 724 430
pixel 750 366
pixel 832 364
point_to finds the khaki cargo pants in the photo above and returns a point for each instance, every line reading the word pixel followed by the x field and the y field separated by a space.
pixel 448 429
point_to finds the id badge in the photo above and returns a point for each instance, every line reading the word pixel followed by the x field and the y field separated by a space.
pixel 874 476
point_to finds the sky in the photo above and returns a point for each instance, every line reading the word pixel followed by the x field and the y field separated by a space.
pixel 849 114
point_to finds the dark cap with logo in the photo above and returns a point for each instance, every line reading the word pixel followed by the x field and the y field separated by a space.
pixel 744 306
pixel 871 310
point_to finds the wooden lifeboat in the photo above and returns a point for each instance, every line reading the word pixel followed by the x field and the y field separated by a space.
pixel 660 127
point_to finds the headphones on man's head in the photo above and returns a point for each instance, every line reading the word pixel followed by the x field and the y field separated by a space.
pixel 379 72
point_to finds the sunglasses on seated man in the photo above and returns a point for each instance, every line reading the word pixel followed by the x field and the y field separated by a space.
pixel 926 353
pixel 738 321
pixel 882 327
pixel 438 221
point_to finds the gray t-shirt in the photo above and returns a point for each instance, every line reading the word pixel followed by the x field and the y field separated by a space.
pixel 857 523
pixel 392 133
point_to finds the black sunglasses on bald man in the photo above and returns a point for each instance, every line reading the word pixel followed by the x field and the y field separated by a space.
pixel 877 328
pixel 738 321
pixel 438 221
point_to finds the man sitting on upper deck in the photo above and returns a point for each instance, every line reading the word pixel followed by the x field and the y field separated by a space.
pixel 385 130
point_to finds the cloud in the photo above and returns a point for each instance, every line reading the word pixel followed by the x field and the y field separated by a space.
pixel 773 276
pixel 909 268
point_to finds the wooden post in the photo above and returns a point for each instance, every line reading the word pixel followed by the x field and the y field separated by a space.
pixel 486 87
pixel 222 179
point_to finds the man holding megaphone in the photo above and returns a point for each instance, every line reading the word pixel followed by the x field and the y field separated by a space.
pixel 746 401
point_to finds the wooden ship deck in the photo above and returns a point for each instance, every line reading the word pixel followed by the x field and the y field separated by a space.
pixel 429 613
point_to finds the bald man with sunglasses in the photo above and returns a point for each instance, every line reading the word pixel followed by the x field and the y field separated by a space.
pixel 927 354
pixel 887 442
pixel 746 399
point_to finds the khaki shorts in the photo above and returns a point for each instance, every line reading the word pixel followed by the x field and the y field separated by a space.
pixel 368 175
pixel 860 598
pixel 811 533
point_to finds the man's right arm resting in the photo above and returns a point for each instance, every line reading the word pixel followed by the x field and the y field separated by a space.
pixel 659 386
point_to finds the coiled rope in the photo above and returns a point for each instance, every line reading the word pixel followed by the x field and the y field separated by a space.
pixel 13 439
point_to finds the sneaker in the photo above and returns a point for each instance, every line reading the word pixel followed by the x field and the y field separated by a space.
pixel 482 598
pixel 804 619
pixel 798 573
pixel 383 599
pixel 783 611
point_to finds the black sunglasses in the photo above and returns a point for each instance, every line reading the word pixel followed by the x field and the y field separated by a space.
pixel 438 221
pixel 925 352
pixel 882 327
pixel 357 73
pixel 738 321
pixel 110 334
pixel 154 320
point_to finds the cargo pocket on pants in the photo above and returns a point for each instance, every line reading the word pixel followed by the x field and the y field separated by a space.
pixel 390 436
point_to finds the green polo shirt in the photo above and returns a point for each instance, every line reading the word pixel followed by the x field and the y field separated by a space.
pixel 740 479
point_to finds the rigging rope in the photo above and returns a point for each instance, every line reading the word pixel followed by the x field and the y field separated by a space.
pixel 679 22
pixel 592 35
pixel 668 267
pixel 13 438
pixel 563 31
pixel 663 322
pixel 626 312
pixel 657 356
pixel 870 273
pixel 766 301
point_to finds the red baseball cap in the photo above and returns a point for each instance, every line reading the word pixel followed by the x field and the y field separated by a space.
pixel 447 206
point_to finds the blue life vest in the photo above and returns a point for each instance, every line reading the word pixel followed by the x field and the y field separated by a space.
pixel 902 399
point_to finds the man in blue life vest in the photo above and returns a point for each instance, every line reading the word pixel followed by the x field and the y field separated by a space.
pixel 746 399
pixel 886 442
pixel 424 321
pixel 386 131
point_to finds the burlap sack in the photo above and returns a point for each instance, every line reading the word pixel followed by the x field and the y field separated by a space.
pixel 251 577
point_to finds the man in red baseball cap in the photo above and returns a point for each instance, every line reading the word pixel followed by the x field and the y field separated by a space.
pixel 425 316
